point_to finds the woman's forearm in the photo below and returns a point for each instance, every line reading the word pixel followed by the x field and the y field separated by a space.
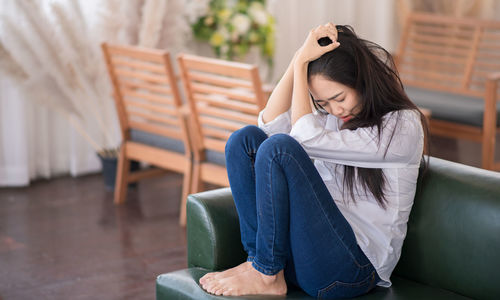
pixel 300 96
pixel 281 97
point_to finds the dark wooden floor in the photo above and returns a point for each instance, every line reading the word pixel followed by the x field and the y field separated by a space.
pixel 64 238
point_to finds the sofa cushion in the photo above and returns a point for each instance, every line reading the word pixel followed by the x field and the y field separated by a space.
pixel 453 238
pixel 157 141
pixel 450 107
pixel 183 284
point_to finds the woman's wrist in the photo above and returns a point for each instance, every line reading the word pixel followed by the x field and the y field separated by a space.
pixel 300 64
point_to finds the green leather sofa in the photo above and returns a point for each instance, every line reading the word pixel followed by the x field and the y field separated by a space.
pixel 452 249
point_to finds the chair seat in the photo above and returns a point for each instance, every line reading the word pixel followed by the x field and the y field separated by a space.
pixel 450 107
pixel 156 141
pixel 215 157
pixel 183 284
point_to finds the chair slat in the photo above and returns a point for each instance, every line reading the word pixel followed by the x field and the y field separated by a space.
pixel 218 122
pixel 487 56
pixel 432 49
pixel 161 89
pixel 138 53
pixel 434 57
pixel 121 62
pixel 227 103
pixel 216 133
pixel 216 66
pixel 147 96
pixel 441 41
pixel 149 117
pixel 214 144
pixel 443 30
pixel 154 108
pixel 230 93
pixel 142 76
pixel 488 65
pixel 227 114
pixel 457 78
pixel 219 80
pixel 431 65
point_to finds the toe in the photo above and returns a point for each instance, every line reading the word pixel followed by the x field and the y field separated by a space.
pixel 229 292
pixel 207 277
pixel 218 292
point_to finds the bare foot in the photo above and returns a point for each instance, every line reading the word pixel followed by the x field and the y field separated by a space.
pixel 227 273
pixel 248 282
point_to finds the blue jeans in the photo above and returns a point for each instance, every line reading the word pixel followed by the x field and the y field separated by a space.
pixel 288 219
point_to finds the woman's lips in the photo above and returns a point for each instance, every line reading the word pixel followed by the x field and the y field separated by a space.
pixel 345 119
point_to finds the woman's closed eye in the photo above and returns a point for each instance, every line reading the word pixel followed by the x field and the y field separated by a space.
pixel 321 102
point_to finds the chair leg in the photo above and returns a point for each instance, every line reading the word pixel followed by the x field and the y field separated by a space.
pixel 122 173
pixel 488 149
pixel 186 187
pixel 196 180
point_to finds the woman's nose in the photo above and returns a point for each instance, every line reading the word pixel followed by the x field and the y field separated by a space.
pixel 337 110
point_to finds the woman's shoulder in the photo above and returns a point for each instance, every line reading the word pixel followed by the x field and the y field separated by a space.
pixel 411 115
pixel 404 121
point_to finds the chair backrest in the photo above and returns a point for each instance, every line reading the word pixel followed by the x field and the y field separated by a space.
pixel 145 91
pixel 452 54
pixel 223 97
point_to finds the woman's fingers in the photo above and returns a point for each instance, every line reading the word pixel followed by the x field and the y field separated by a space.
pixel 328 30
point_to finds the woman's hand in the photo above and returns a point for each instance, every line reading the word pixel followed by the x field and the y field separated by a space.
pixel 311 50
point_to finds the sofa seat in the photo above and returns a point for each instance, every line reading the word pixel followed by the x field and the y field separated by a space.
pixel 450 107
pixel 451 250
pixel 183 284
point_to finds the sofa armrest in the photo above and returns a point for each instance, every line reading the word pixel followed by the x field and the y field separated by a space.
pixel 213 231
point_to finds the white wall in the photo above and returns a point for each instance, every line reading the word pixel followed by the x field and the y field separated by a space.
pixel 372 20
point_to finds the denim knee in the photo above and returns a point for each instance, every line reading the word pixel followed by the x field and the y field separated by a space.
pixel 244 138
pixel 278 143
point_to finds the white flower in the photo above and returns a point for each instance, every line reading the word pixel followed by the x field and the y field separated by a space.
pixel 194 9
pixel 223 32
pixel 241 23
pixel 258 13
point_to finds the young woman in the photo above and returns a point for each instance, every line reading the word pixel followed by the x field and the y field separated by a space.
pixel 324 186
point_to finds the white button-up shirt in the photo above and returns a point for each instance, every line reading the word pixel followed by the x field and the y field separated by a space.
pixel 379 232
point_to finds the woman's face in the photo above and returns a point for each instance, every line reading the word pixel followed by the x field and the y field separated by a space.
pixel 335 98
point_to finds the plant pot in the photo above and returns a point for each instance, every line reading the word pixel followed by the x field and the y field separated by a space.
pixel 109 166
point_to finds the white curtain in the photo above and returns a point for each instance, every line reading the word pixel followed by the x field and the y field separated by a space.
pixel 36 142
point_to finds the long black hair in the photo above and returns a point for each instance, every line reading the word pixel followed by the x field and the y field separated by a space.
pixel 370 70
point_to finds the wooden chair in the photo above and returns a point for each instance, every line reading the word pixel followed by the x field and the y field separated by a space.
pixel 448 66
pixel 223 96
pixel 153 127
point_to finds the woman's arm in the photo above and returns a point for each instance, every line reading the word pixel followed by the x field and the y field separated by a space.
pixel 309 51
pixel 281 97
pixel 400 144
pixel 300 96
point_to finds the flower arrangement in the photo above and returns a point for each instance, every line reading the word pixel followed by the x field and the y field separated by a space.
pixel 232 27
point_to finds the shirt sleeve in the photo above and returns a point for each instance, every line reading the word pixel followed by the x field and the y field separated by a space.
pixel 400 144
pixel 281 124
